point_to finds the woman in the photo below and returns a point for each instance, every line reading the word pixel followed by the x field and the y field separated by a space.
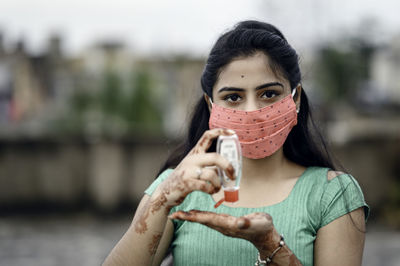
pixel 251 84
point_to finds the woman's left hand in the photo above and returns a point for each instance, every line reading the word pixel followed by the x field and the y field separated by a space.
pixel 255 227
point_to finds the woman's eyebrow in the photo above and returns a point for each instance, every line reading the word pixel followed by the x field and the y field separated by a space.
pixel 269 84
pixel 230 89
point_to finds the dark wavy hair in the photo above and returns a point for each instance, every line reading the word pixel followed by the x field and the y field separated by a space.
pixel 304 145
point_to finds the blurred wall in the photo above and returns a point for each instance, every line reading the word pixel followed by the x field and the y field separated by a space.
pixel 71 174
pixel 107 174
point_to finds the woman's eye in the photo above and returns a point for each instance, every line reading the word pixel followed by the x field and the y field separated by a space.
pixel 269 94
pixel 232 98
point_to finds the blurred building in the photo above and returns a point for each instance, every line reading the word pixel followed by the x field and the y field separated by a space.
pixel 178 88
pixel 95 96
pixel 21 90
pixel 33 88
pixel 385 72
pixel 174 81
pixel 36 89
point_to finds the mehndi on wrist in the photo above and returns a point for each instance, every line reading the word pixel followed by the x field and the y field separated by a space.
pixel 261 262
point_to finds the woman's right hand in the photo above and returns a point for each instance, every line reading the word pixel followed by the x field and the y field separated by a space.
pixel 197 171
pixel 150 226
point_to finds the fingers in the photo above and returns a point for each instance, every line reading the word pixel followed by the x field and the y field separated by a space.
pixel 223 223
pixel 202 186
pixel 206 140
pixel 214 159
pixel 259 221
pixel 204 179
pixel 262 216
pixel 226 224
pixel 251 227
pixel 210 219
pixel 218 221
pixel 243 223
pixel 210 174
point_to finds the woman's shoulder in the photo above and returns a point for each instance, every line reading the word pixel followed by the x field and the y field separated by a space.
pixel 320 183
pixel 314 176
pixel 324 175
pixel 332 193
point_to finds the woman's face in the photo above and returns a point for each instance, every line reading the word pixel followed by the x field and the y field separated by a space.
pixel 248 84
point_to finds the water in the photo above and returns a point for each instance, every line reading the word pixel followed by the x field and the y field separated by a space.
pixel 84 239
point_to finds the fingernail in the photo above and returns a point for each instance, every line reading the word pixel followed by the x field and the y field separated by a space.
pixel 231 131
pixel 226 131
pixel 231 172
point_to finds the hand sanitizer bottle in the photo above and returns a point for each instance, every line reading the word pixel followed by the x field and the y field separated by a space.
pixel 229 147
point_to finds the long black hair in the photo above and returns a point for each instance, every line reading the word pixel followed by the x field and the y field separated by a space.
pixel 304 145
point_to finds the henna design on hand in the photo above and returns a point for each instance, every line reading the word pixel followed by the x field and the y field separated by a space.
pixel 224 223
pixel 158 203
pixel 140 225
pixel 154 243
pixel 163 199
pixel 206 140
pixel 153 206
pixel 256 228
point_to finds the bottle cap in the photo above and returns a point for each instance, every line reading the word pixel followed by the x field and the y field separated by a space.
pixel 231 196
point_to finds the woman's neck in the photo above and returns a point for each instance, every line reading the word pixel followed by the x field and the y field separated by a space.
pixel 273 167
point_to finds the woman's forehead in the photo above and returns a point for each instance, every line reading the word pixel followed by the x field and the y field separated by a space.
pixel 248 71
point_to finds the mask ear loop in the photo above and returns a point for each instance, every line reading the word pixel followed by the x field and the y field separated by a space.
pixel 293 93
pixel 211 101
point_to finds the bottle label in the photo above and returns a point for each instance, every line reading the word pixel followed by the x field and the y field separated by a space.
pixel 228 150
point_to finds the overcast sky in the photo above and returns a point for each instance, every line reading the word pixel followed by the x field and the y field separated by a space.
pixel 183 25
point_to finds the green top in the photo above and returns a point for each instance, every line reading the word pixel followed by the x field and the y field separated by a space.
pixel 313 202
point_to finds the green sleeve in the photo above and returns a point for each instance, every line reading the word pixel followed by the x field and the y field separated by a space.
pixel 164 175
pixel 341 195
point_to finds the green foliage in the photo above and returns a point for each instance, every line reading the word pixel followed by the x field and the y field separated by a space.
pixel 342 69
pixel 110 96
pixel 115 106
pixel 81 101
pixel 140 105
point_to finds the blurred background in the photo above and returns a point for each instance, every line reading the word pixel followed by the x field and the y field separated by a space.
pixel 95 94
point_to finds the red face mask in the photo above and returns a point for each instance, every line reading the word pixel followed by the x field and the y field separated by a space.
pixel 261 132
